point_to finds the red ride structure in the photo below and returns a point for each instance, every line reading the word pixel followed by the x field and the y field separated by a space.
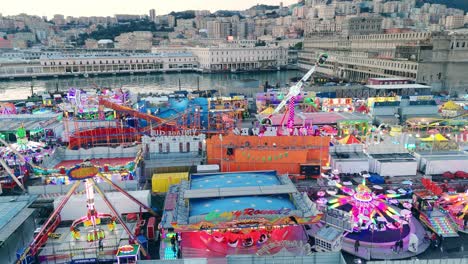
pixel 116 132
pixel 84 172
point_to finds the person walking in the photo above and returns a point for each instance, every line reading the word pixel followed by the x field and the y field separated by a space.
pixel 400 246
pixel 173 244
pixel 395 247
pixel 101 245
pixel 356 246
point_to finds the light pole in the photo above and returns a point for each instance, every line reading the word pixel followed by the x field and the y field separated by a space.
pixel 221 149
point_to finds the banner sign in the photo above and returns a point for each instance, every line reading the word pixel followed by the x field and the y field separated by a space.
pixel 226 216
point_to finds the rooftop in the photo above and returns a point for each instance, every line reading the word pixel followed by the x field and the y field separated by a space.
pixel 329 233
pixel 13 211
pixel 393 156
pixel 389 79
pixel 30 122
pixel 115 55
pixel 398 86
pixel 349 155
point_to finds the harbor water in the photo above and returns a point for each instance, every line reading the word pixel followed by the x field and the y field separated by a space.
pixel 225 83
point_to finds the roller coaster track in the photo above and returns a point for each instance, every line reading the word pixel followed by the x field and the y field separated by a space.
pixel 136 113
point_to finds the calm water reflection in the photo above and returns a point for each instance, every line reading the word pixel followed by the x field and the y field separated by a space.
pixel 246 83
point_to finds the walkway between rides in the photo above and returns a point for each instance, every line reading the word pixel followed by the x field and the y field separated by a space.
pixel 384 250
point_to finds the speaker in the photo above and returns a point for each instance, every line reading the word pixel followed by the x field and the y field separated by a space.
pixel 310 170
pixel 230 151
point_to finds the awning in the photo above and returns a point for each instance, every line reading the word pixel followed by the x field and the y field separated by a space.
pixel 436 137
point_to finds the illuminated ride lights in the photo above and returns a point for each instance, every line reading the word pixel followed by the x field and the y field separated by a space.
pixel 365 204
pixel 457 204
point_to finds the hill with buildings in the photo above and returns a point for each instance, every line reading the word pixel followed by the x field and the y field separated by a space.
pixel 461 4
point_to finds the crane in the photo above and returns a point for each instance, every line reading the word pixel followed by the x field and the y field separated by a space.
pixel 294 91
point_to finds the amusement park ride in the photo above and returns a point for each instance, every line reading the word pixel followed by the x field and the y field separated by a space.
pixel 365 204
pixel 84 172
pixel 22 140
pixel 127 124
pixel 294 91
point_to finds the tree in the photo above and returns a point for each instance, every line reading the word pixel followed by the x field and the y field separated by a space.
pixel 297 46
pixel 260 43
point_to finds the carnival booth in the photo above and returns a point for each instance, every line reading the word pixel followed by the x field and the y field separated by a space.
pixel 236 106
pixel 328 239
pixel 161 182
pixel 451 109
pixel 358 127
pixel 128 254
pixel 349 158
pixel 348 140
pixel 372 100
pixel 337 105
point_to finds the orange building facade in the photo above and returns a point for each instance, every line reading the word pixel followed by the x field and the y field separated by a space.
pixel 285 154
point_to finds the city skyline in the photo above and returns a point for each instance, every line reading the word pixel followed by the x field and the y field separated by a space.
pixel 139 7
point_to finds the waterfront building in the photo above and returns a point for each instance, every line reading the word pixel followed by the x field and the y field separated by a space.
pixel 438 59
pixel 235 57
pixel 115 62
pixel 101 63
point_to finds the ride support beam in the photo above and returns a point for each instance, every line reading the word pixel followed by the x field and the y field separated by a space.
pixel 49 220
pixel 117 215
pixel 118 188
pixel 12 175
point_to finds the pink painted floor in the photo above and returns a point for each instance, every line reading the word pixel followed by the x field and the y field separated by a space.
pixel 201 244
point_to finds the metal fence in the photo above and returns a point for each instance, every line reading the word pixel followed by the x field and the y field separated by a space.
pixel 130 185
pixel 463 260
pixel 316 258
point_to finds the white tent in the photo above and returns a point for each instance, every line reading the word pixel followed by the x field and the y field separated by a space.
pixel 413 243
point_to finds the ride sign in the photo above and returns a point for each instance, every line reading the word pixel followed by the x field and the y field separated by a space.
pixel 246 213
pixel 81 172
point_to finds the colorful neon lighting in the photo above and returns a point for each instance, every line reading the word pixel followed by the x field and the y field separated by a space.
pixel 457 204
pixel 365 204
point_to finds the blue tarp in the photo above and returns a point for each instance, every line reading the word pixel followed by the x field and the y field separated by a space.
pixel 376 179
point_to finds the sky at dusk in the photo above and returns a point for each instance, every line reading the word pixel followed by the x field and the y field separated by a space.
pixel 110 7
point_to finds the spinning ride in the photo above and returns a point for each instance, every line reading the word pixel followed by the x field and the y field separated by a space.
pixel 366 205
